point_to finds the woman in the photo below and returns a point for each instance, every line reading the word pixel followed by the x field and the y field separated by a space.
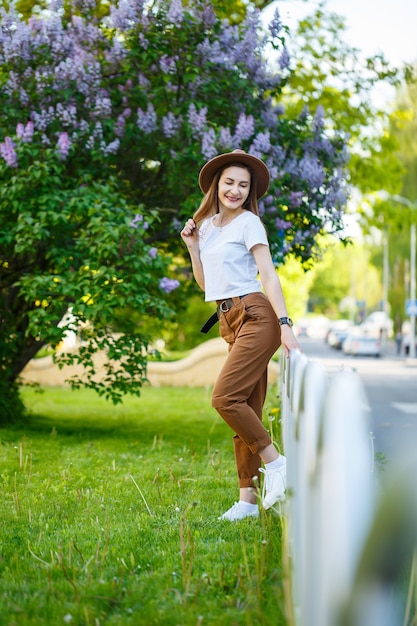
pixel 228 247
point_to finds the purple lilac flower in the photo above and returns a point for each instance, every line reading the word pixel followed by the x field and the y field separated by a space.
pixel 7 151
pixel 273 170
pixel 83 126
pixel 209 17
pixel 147 120
pixel 142 80
pixel 284 59
pixel 112 147
pixel 318 122
pixel 67 114
pixel 43 119
pixel 208 148
pixel 28 132
pixel 193 86
pixel 168 64
pixel 171 87
pixel 244 128
pixel 77 22
pixel 336 196
pixel 170 124
pixel 20 130
pixel 139 220
pixel 275 26
pixel 278 154
pixel 168 284
pixel 63 145
pixel 229 35
pixel 282 224
pixel 213 52
pixel 176 225
pixel 126 13
pixel 311 170
pixel 291 166
pixel 245 50
pixel 144 43
pixel 153 252
pixel 116 52
pixel 97 135
pixel 175 13
pixel 261 144
pixel 82 69
pixel 225 138
pixel 12 84
pixel 197 120
pixel 102 107
pixel 296 198
pixel 120 125
pixel 269 114
pixel 298 237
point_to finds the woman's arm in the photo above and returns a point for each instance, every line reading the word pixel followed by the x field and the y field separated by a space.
pixel 273 289
pixel 189 235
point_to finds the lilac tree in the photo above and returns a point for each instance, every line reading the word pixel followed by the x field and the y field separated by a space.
pixel 106 122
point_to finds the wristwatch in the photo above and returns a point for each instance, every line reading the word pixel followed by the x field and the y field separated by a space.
pixel 285 320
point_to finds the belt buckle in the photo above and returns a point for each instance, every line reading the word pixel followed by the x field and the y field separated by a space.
pixel 224 306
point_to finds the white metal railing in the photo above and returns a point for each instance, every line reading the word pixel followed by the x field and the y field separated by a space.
pixel 347 554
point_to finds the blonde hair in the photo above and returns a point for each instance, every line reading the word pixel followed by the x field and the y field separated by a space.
pixel 210 203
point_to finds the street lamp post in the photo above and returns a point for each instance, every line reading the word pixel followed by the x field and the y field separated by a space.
pixel 413 291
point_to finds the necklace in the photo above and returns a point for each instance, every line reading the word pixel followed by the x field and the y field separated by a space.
pixel 220 225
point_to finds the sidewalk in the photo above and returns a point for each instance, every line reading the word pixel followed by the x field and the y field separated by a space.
pixel 389 350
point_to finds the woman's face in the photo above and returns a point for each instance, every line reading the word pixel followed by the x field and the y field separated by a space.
pixel 234 187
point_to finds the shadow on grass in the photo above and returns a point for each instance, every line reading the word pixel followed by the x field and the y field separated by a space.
pixel 177 414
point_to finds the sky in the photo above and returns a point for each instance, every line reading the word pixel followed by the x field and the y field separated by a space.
pixel 388 26
pixel 373 26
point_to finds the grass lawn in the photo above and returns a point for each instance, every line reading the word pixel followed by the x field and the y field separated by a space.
pixel 109 516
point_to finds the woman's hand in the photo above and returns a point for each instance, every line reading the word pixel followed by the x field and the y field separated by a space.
pixel 190 237
pixel 288 340
pixel 189 234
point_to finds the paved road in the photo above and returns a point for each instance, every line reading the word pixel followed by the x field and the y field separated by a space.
pixel 391 389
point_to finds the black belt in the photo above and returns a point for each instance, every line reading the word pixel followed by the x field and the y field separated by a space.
pixel 223 306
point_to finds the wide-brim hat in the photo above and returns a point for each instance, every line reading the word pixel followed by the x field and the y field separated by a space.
pixel 258 167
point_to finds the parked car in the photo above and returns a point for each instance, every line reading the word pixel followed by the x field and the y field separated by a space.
pixel 377 324
pixel 337 333
pixel 362 345
pixel 314 327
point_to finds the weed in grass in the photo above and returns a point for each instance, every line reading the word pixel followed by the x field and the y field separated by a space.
pixel 109 517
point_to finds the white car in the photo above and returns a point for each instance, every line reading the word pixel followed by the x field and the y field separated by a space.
pixel 337 333
pixel 315 327
pixel 377 324
pixel 362 345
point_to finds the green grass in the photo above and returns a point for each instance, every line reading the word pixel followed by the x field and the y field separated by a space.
pixel 109 516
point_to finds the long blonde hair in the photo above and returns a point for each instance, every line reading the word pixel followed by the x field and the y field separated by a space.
pixel 210 203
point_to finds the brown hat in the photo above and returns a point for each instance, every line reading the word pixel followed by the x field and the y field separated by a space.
pixel 209 170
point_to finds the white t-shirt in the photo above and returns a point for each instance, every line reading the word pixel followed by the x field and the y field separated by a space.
pixel 228 263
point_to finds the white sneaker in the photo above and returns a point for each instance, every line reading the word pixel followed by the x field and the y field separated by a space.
pixel 274 486
pixel 238 512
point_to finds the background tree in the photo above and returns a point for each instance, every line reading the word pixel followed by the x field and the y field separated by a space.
pixel 344 277
pixel 336 76
pixel 393 216
pixel 106 120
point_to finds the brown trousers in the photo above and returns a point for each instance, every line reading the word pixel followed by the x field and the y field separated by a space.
pixel 252 331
